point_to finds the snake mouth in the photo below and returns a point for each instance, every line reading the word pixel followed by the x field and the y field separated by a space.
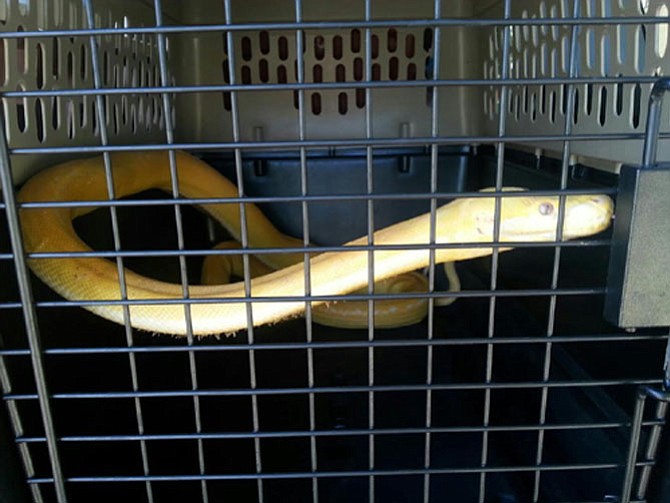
pixel 590 216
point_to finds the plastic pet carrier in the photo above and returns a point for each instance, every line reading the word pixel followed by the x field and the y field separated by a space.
pixel 348 143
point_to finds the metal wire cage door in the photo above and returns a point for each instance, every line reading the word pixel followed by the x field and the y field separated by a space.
pixel 524 382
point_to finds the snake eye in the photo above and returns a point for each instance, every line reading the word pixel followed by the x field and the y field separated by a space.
pixel 546 209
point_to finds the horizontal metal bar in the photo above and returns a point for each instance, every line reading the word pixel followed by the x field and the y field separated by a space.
pixel 310 198
pixel 316 249
pixel 11 305
pixel 326 298
pixel 322 86
pixel 316 346
pixel 336 433
pixel 348 473
pixel 336 389
pixel 350 142
pixel 340 25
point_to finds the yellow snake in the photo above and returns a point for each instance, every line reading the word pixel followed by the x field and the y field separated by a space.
pixel 465 220
pixel 388 313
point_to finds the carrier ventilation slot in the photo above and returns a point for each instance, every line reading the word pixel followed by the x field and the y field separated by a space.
pixel 270 58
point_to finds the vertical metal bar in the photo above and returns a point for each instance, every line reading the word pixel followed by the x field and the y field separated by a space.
pixel 500 164
pixel 653 121
pixel 29 314
pixel 636 428
pixel 573 72
pixel 304 191
pixel 650 453
pixel 18 430
pixel 655 433
pixel 183 272
pixel 244 239
pixel 434 156
pixel 369 162
pixel 104 140
pixel 666 367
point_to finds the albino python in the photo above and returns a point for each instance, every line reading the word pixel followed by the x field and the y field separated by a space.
pixel 465 220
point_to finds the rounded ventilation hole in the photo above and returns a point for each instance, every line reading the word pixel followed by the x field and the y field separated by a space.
pixel 533 107
pixel 376 72
pixel 282 76
pixel 317 73
pixel 246 75
pixel 360 98
pixel 263 70
pixel 338 48
pixel 246 49
pixel 375 46
pixel 21 119
pixel 71 121
pixel 411 71
pixel 94 118
pixel 39 66
pixel 82 63
pixel 319 47
pixel 133 119
pixel 316 103
pixel 516 107
pixel 393 68
pixel 637 102
pixel 356 40
pixel 70 70
pixel 641 48
pixel 525 100
pixel 82 115
pixel 342 105
pixel 55 112
pixel 282 44
pixel 552 107
pixel 409 45
pixel 358 69
pixel 264 41
pixel 340 73
pixel 225 70
pixel 392 40
pixel 427 39
pixel 589 98
pixel 21 60
pixel 602 115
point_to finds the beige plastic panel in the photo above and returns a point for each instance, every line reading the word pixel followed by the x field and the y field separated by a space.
pixel 604 51
pixel 329 56
pixel 399 53
pixel 65 63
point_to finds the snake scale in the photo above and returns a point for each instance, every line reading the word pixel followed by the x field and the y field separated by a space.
pixel 467 220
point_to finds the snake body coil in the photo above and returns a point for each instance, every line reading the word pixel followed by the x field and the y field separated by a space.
pixel 466 220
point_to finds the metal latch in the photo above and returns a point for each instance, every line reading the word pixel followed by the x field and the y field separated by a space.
pixel 638 281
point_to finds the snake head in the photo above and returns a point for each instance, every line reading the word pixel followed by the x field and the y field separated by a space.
pixel 535 218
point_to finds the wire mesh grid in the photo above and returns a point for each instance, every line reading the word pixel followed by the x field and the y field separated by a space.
pixel 518 392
